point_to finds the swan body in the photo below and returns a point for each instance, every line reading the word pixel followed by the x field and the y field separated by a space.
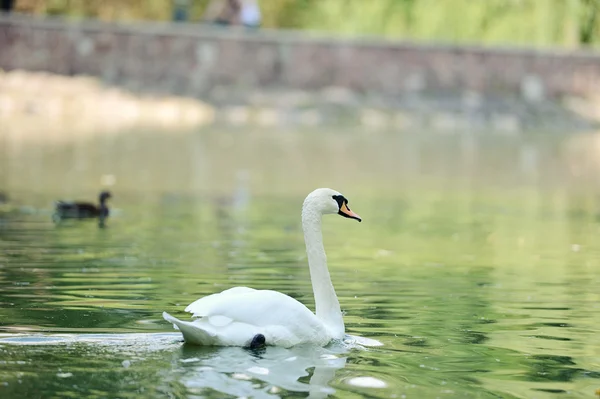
pixel 235 316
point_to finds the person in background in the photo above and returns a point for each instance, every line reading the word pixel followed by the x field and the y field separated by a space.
pixel 181 10
pixel 6 5
pixel 222 12
pixel 233 12
pixel 250 13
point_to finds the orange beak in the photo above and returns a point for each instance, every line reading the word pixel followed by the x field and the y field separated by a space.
pixel 346 212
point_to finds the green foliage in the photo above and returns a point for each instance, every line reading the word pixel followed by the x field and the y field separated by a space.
pixel 568 23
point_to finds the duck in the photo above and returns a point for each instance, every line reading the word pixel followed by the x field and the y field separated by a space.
pixel 247 317
pixel 83 210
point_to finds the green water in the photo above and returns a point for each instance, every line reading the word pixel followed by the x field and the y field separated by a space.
pixel 476 264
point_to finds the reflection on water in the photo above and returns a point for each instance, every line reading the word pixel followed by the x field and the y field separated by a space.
pixel 476 265
pixel 234 371
pixel 231 371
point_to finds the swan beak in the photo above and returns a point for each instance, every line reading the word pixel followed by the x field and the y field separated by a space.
pixel 346 212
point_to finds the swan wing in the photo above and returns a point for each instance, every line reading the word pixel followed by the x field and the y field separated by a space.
pixel 202 306
pixel 234 316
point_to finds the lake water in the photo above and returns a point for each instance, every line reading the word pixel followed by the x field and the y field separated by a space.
pixel 476 264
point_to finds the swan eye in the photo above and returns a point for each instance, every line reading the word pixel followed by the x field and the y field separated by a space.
pixel 340 200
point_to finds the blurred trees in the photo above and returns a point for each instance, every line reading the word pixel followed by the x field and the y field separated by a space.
pixel 570 23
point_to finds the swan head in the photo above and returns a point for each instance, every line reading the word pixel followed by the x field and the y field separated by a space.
pixel 328 201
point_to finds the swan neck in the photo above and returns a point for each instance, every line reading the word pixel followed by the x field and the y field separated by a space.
pixel 327 306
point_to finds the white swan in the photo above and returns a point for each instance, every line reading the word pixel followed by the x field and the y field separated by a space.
pixel 236 316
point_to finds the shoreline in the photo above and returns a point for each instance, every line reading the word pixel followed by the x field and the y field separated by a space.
pixel 64 103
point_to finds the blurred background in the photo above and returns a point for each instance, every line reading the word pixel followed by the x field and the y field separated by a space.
pixel 465 133
pixel 565 23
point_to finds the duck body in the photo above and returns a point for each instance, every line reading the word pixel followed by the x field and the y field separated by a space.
pixel 240 316
pixel 82 210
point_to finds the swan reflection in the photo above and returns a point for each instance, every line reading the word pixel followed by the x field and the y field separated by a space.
pixel 234 371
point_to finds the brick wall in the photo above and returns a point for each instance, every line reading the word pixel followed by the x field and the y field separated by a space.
pixel 193 59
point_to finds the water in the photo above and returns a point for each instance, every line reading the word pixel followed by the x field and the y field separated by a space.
pixel 476 264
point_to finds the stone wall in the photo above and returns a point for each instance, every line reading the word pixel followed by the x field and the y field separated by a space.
pixel 194 60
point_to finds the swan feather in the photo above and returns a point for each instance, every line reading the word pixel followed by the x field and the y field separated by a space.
pixel 233 317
